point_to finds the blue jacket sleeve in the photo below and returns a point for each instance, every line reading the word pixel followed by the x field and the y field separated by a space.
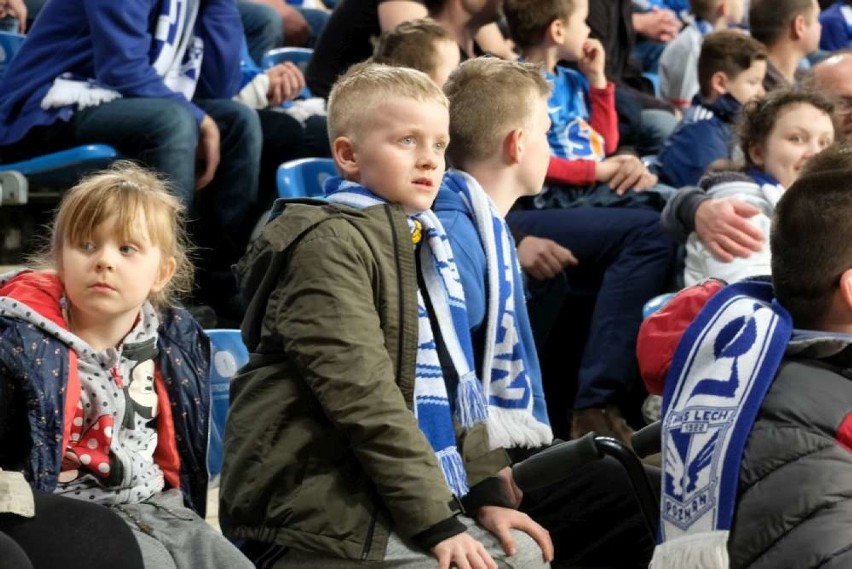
pixel 219 26
pixel 121 46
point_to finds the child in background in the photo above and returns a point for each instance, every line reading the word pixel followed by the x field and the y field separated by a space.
pixel 367 464
pixel 678 62
pixel 122 412
pixel 421 44
pixel 730 71
pixel 790 30
pixel 582 109
pixel 778 135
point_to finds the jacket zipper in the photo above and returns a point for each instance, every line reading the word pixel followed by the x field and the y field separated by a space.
pixel 374 514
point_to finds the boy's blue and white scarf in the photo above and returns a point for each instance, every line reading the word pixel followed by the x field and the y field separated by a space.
pixel 433 407
pixel 511 392
pixel 720 374
pixel 175 55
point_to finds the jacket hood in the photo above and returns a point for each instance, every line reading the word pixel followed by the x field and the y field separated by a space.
pixel 716 178
pixel 35 297
pixel 448 200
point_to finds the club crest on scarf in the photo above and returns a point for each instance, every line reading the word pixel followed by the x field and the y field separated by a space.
pixel 720 374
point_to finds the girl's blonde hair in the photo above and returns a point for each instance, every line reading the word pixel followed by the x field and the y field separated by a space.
pixel 123 191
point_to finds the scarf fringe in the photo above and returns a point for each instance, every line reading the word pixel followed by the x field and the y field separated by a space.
pixel 707 550
pixel 454 473
pixel 508 429
pixel 471 407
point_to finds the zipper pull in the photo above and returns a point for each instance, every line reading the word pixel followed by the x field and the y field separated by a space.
pixel 116 375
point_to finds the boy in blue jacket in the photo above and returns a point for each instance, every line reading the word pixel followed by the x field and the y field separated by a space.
pixel 730 73
pixel 500 157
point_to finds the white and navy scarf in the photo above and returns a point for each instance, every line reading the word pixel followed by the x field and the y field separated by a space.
pixel 513 418
pixel 433 407
pixel 720 374
pixel 175 55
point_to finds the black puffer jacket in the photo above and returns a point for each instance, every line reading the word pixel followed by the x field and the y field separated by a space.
pixel 794 507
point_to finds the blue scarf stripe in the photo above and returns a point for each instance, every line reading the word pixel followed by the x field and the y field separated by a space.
pixel 432 406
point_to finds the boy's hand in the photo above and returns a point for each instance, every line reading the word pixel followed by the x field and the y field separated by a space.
pixel 658 25
pixel 592 63
pixel 623 173
pixel 500 521
pixel 722 226
pixel 543 258
pixel 510 489
pixel 286 81
pixel 463 552
pixel 207 152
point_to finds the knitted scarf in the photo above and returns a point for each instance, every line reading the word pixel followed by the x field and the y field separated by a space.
pixel 511 392
pixel 720 374
pixel 433 382
pixel 175 55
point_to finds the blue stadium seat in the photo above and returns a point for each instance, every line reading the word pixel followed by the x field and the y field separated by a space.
pixel 227 355
pixel 304 178
pixel 58 168
pixel 656 303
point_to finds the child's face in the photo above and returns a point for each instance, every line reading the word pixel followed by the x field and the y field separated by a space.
pixel 448 57
pixel 801 131
pixel 536 155
pixel 107 278
pixel 749 83
pixel 399 153
pixel 576 32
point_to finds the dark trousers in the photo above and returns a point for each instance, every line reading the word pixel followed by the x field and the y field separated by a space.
pixel 625 257
pixel 594 518
pixel 67 533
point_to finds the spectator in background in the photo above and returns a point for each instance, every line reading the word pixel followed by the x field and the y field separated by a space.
pixel 679 60
pixel 833 76
pixel 731 69
pixel 89 72
pixel 13 16
pixel 790 30
pixel 422 45
pixel 300 26
pixel 836 21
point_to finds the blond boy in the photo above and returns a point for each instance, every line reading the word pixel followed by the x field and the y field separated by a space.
pixel 679 61
pixel 339 448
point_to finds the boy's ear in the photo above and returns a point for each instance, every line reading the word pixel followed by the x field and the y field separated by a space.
pixel 719 83
pixel 343 152
pixel 513 146
pixel 797 27
pixel 556 31
pixel 845 289
pixel 167 271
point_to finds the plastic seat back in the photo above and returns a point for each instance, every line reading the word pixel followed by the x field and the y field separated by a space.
pixel 304 178
pixel 227 355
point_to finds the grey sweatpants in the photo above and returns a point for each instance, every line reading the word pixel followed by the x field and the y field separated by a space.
pixel 400 554
pixel 171 536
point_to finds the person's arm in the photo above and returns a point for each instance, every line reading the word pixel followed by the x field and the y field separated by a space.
pixel 656 24
pixel 571 172
pixel 121 46
pixel 394 12
pixel 333 334
pixel 490 39
pixel 604 117
pixel 220 74
pixel 736 268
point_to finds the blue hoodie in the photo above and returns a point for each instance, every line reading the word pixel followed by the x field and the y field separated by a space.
pixel 703 136
pixel 469 255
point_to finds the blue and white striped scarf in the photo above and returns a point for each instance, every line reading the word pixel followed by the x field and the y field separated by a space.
pixel 175 55
pixel 433 407
pixel 720 374
pixel 514 418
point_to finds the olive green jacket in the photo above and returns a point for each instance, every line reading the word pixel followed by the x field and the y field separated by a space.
pixel 322 450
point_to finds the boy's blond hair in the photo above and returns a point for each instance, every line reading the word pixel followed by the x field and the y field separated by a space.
pixel 529 19
pixel 489 98
pixel 354 96
pixel 412 44
pixel 124 190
